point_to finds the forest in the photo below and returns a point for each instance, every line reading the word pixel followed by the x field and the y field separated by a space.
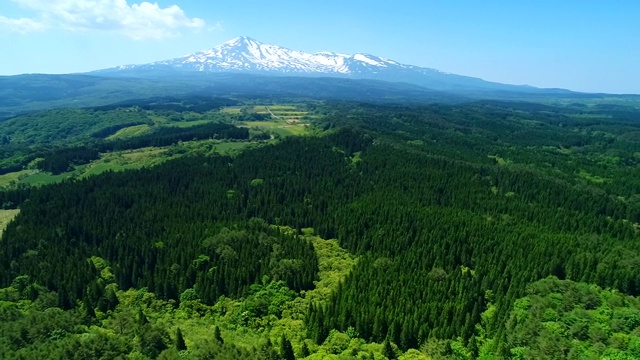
pixel 485 230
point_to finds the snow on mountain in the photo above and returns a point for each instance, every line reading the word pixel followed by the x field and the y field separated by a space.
pixel 247 55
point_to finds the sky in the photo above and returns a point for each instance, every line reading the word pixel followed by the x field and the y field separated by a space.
pixel 586 45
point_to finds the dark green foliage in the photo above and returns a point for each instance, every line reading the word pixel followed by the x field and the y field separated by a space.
pixel 266 351
pixel 449 208
pixel 142 318
pixel 94 346
pixel 11 199
pixel 180 345
pixel 215 350
pixel 65 137
pixel 153 340
pixel 304 352
pixel 387 350
pixel 61 160
pixel 217 336
pixel 251 117
pixel 65 125
pixel 170 103
pixel 286 350
pixel 213 259
pixel 51 333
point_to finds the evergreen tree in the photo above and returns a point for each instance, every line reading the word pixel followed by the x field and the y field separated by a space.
pixel 304 352
pixel 217 335
pixel 286 350
pixel 142 318
pixel 90 313
pixel 387 350
pixel 267 352
pixel 153 340
pixel 180 344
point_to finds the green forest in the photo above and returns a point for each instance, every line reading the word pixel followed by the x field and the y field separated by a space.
pixel 331 230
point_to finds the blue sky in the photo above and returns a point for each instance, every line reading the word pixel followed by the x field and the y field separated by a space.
pixel 588 45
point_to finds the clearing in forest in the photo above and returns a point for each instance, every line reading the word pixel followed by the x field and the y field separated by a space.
pixel 283 120
pixel 5 218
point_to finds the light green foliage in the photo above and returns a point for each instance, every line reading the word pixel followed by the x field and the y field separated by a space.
pixel 596 179
pixel 561 318
pixel 104 269
pixel 334 264
pixel 11 179
pixel 131 131
pixel 413 354
pixel 285 120
pixel 336 342
pixel 263 301
pixel 459 351
pixel 5 217
pixel 42 178
pixel 188 295
pixel 128 159
pixel 499 160
pixel 356 158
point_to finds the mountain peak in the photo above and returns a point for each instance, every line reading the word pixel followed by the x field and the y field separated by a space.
pixel 245 54
pixel 241 40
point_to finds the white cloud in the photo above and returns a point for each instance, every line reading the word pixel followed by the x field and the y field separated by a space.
pixel 21 25
pixel 138 21
pixel 217 26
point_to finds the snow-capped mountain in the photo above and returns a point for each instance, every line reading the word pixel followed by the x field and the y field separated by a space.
pixel 247 55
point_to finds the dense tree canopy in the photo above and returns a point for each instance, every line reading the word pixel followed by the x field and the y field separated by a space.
pixel 452 210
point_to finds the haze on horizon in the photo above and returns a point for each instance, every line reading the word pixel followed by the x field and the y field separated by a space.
pixel 576 45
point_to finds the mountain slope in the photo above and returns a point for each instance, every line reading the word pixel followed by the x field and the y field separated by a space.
pixel 247 55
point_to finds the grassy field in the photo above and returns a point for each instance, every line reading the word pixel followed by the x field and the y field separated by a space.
pixel 129 159
pixel 43 178
pixel 187 124
pixel 279 111
pixel 285 120
pixel 256 109
pixel 129 132
pixel 281 128
pixel 5 217
pixel 9 179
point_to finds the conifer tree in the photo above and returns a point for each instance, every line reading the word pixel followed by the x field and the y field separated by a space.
pixel 217 335
pixel 387 350
pixel 286 350
pixel 142 318
pixel 180 344
pixel 305 350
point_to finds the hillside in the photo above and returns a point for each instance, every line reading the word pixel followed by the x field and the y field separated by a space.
pixel 28 93
pixel 450 222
